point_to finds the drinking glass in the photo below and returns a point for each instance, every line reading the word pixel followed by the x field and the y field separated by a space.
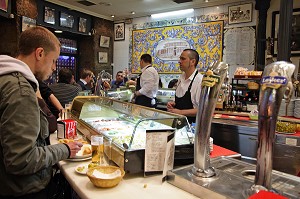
pixel 97 149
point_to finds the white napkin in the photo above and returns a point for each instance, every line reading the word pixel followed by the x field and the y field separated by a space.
pixel 112 175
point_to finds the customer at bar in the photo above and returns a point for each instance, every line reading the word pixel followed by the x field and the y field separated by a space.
pixel 86 77
pixel 119 81
pixel 147 83
pixel 189 86
pixel 25 161
pixel 64 90
pixel 50 99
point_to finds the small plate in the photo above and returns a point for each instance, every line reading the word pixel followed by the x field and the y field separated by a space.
pixel 79 154
pixel 79 159
pixel 82 169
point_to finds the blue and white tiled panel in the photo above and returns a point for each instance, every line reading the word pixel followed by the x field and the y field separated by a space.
pixel 166 78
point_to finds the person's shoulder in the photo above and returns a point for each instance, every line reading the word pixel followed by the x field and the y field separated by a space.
pixel 152 69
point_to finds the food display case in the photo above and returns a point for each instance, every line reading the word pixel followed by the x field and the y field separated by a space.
pixel 124 128
pixel 124 95
pixel 163 96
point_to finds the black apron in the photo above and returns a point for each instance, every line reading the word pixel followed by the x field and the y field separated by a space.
pixel 185 102
pixel 142 99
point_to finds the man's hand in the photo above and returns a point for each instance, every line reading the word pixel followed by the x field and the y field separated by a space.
pixel 175 110
pixel 170 105
pixel 74 148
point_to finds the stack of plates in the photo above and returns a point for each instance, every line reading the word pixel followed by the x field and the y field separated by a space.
pixel 297 108
pixel 290 108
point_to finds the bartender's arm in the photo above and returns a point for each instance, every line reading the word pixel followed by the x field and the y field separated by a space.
pixel 187 112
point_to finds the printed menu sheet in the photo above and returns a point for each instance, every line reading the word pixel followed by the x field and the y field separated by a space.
pixel 159 151
pixel 239 46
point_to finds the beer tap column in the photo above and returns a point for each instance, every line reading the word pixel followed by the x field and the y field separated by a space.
pixel 211 84
pixel 275 84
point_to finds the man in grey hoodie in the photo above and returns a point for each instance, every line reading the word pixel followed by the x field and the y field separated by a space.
pixel 25 160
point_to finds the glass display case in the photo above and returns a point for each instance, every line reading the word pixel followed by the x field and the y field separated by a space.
pixel 163 96
pixel 124 95
pixel 124 127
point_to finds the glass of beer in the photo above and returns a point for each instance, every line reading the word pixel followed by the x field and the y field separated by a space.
pixel 97 148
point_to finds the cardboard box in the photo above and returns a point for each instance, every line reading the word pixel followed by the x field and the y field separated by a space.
pixel 66 129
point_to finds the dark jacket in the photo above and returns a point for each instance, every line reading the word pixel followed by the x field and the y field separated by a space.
pixel 25 160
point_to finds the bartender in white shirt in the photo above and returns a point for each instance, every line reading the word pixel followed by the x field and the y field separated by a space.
pixel 189 86
pixel 147 83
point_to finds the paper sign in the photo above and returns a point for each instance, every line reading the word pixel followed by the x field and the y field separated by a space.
pixel 159 151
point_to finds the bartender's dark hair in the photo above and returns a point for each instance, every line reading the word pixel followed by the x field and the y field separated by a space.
pixel 146 58
pixel 193 55
pixel 37 37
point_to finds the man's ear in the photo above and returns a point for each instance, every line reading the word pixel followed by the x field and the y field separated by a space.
pixel 39 53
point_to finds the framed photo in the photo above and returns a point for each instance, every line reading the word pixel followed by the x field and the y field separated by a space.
pixel 295 37
pixel 240 13
pixel 82 24
pixel 49 15
pixel 119 31
pixel 104 41
pixel 103 57
pixel 66 20
pixel 4 5
pixel 27 23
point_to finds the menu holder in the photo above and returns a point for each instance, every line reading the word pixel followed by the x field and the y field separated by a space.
pixel 159 152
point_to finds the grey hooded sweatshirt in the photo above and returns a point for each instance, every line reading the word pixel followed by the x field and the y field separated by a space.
pixel 25 160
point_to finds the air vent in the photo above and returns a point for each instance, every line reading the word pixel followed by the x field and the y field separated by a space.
pixel 86 3
pixel 182 1
pixel 105 4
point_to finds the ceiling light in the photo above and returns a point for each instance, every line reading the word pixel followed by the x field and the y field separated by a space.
pixel 206 0
pixel 133 12
pixel 112 16
pixel 58 31
pixel 173 13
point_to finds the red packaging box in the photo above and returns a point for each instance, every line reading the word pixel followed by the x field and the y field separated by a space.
pixel 66 129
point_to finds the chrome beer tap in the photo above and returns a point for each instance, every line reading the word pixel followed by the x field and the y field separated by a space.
pixel 211 84
pixel 275 85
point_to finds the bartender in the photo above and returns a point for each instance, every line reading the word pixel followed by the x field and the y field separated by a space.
pixel 189 87
pixel 147 83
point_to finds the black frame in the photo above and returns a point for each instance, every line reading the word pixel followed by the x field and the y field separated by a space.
pixel 295 33
pixel 119 35
pixel 6 13
pixel 65 15
pixel 47 19
pixel 82 24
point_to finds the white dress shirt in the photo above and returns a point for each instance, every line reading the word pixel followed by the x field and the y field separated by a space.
pixel 149 82
pixel 183 85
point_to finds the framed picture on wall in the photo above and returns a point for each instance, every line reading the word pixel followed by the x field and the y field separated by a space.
pixel 66 20
pixel 49 15
pixel 82 24
pixel 104 41
pixel 27 23
pixel 295 35
pixel 4 5
pixel 240 13
pixel 119 31
pixel 103 57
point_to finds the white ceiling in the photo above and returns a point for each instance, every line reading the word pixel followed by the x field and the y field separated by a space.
pixel 122 9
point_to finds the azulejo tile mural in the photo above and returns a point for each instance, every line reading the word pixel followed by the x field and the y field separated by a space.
pixel 165 44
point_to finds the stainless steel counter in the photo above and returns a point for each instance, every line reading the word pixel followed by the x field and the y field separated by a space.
pixel 241 136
